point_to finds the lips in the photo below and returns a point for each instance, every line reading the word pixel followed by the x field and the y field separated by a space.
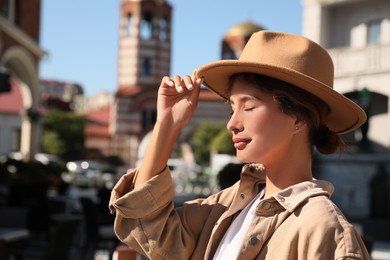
pixel 241 143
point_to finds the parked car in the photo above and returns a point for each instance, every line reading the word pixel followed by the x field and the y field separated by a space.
pixel 84 173
pixel 43 158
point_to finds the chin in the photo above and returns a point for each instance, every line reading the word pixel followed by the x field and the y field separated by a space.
pixel 243 159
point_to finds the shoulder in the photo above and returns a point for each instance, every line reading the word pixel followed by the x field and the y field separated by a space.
pixel 320 220
pixel 320 210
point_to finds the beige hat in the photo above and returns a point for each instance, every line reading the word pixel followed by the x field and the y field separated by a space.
pixel 293 59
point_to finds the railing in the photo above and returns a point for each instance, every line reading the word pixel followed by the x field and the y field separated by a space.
pixel 372 59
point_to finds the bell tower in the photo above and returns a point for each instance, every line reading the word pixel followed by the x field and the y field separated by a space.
pixel 144 57
pixel 144 43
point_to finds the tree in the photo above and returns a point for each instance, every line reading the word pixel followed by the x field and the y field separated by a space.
pixel 63 134
pixel 202 139
pixel 222 142
pixel 52 143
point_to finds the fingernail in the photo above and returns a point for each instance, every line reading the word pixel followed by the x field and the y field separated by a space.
pixel 190 86
pixel 179 88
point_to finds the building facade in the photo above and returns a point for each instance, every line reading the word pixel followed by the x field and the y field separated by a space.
pixel 357 35
pixel 144 56
pixel 19 56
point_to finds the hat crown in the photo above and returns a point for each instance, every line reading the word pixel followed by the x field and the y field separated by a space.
pixel 291 52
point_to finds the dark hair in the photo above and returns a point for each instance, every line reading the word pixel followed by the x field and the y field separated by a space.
pixel 293 100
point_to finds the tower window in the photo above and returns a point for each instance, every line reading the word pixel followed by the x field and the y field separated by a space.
pixel 146 27
pixel 128 25
pixel 146 67
pixel 373 32
pixel 163 33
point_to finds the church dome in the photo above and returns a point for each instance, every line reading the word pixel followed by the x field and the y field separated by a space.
pixel 244 29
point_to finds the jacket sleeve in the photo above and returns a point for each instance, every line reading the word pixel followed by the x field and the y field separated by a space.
pixel 147 221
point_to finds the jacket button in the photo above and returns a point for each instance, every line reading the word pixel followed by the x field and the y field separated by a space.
pixel 266 205
pixel 253 240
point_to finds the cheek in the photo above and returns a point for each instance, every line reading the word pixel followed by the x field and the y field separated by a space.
pixel 271 125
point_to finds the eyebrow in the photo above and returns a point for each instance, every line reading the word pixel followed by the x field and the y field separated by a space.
pixel 244 98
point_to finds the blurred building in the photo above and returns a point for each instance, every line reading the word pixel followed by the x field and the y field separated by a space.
pixel 144 57
pixel 235 39
pixel 11 110
pixel 357 35
pixel 97 110
pixel 20 54
pixel 60 95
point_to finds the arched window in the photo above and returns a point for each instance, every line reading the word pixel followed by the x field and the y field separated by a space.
pixel 163 33
pixel 128 25
pixel 146 29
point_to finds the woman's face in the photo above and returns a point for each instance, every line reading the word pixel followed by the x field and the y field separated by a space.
pixel 261 131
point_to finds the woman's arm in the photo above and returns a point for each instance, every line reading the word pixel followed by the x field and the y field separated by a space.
pixel 176 103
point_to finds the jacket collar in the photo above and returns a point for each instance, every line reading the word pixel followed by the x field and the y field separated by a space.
pixel 293 196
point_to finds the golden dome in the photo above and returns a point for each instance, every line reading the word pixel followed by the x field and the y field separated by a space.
pixel 244 29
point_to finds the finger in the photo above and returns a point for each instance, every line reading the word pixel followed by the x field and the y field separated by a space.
pixel 178 83
pixel 188 82
pixel 194 96
pixel 194 75
pixel 167 81
pixel 195 79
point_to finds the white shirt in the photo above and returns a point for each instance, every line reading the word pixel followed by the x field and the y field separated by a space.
pixel 231 242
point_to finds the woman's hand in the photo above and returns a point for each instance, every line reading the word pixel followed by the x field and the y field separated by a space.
pixel 177 99
pixel 176 103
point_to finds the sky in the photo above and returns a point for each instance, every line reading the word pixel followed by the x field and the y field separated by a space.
pixel 81 37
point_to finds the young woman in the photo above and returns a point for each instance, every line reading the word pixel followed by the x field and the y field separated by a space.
pixel 282 105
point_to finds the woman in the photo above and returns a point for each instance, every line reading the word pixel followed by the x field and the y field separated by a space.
pixel 282 104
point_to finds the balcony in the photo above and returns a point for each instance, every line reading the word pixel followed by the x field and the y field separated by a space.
pixel 362 61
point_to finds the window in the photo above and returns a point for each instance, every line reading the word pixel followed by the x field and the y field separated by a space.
pixel 146 67
pixel 15 139
pixel 128 25
pixel 373 32
pixel 146 27
pixel 163 33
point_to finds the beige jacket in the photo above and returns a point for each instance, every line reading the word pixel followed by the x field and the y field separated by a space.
pixel 299 222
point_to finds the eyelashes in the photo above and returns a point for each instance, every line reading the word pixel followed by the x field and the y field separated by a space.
pixel 245 109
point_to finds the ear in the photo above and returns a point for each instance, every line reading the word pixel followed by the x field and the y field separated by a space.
pixel 299 124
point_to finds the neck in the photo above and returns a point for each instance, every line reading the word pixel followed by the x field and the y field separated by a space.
pixel 293 168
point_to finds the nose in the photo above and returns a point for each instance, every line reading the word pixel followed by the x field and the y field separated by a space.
pixel 234 125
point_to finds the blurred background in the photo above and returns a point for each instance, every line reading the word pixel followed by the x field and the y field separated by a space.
pixel 78 88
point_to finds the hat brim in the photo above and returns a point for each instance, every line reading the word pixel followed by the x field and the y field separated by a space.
pixel 345 115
